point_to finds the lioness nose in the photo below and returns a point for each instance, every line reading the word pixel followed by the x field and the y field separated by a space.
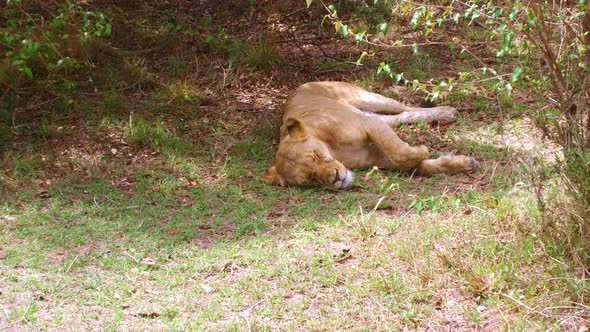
pixel 336 176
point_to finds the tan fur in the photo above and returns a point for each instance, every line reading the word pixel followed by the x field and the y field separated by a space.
pixel 331 127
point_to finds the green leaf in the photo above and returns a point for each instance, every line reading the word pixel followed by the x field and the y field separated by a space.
pixel 516 74
pixel 462 76
pixel 419 206
pixel 451 46
pixel 474 16
pixel 507 43
pixel 360 36
pixel 415 48
pixel 384 27
pixel 456 18
pixel 332 10
pixel 308 2
pixel 383 67
pixel 431 204
pixel 415 18
pixel 498 12
pixel 360 59
pixel 514 13
pixel 387 70
pixel 28 72
pixel 345 31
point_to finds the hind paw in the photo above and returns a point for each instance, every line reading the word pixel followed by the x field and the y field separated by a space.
pixel 445 114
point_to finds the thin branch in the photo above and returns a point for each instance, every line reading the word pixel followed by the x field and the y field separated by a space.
pixel 35 106
pixel 582 311
pixel 558 80
pixel 428 43
pixel 520 303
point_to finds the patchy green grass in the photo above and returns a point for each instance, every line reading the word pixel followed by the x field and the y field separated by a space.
pixel 256 53
pixel 131 232
pixel 149 214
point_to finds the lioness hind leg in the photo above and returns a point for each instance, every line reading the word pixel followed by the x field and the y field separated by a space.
pixel 448 164
pixel 442 115
pixel 376 103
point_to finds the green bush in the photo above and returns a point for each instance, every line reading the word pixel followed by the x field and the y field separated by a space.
pixel 542 48
pixel 44 44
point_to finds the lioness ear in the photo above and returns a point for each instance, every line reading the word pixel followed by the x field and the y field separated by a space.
pixel 272 176
pixel 295 128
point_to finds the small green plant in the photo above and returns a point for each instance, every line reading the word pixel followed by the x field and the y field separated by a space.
pixel 182 91
pixel 141 132
pixel 433 204
pixel 430 204
pixel 422 67
pixel 30 52
pixel 256 53
pixel 364 224
pixel 43 50
pixel 49 129
pixel 111 102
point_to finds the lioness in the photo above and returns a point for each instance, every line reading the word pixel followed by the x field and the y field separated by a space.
pixel 331 127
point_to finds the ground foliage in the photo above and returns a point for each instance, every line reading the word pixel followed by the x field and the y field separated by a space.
pixel 133 135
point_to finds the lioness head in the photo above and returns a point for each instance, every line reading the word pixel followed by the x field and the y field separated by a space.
pixel 304 160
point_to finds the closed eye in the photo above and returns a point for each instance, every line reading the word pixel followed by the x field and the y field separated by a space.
pixel 319 157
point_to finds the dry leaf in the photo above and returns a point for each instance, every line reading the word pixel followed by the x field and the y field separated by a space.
pixel 150 315
pixel 148 261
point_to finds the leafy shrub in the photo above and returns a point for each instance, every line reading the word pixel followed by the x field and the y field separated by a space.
pixel 44 44
pixel 548 44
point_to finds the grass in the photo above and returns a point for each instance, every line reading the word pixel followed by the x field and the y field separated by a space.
pixel 257 53
pixel 184 242
pixel 153 216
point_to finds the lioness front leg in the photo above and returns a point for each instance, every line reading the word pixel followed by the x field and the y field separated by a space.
pixel 448 164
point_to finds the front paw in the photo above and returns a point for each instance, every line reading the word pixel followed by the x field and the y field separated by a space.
pixel 469 165
pixel 472 165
